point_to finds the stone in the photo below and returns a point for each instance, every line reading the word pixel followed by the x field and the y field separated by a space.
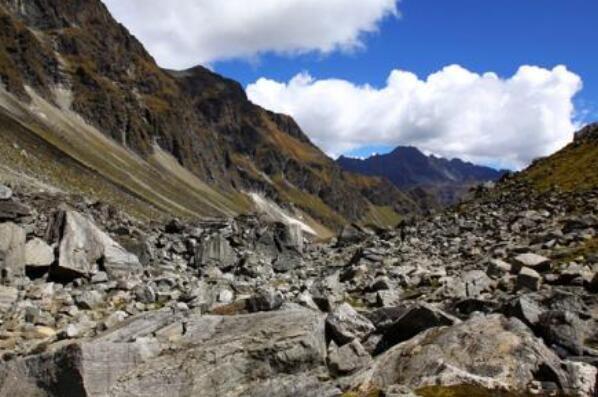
pixel 278 353
pixel 529 278
pixel 226 296
pixel 344 324
pixel 265 301
pixel 525 309
pixel 487 353
pixel 8 296
pixel 38 254
pixel 84 249
pixel 5 192
pixel 90 300
pixel 10 210
pixel 350 234
pixel 348 358
pixel 145 294
pixel 563 329
pixel 286 261
pixel 476 283
pixel 411 322
pixel 497 268
pixel 533 261
pixel 215 251
pixel 12 250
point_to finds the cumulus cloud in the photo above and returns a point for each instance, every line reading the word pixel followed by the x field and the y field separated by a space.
pixel 183 33
pixel 453 113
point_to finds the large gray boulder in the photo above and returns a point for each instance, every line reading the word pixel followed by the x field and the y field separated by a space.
pixel 38 254
pixel 344 324
pixel 266 354
pixel 12 250
pixel 5 192
pixel 490 353
pixel 85 249
pixel 215 251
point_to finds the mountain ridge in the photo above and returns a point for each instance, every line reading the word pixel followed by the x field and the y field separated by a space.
pixel 76 58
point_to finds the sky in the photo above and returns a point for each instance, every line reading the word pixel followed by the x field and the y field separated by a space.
pixel 495 82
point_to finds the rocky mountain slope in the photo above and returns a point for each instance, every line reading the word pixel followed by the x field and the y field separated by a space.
pixel 495 297
pixel 80 93
pixel 408 168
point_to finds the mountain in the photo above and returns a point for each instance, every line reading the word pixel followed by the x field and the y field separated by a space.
pixel 574 168
pixel 408 168
pixel 85 108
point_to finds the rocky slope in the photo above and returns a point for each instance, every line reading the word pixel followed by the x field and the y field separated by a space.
pixel 497 296
pixel 83 93
pixel 446 181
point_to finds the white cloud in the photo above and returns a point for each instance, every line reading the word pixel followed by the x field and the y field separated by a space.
pixel 453 113
pixel 183 33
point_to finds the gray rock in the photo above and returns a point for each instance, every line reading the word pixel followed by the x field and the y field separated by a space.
pixel 348 358
pixel 345 324
pixel 38 254
pixel 533 261
pixel 476 283
pixel 12 250
pixel 10 210
pixel 215 251
pixel 564 330
pixel 278 353
pixel 8 296
pixel 265 301
pixel 90 300
pixel 414 320
pixel 529 278
pixel 145 294
pixel 5 192
pixel 286 261
pixel 488 353
pixel 525 309
pixel 498 268
pixel 84 247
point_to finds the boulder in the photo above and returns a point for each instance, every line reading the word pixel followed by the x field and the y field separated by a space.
pixel 350 234
pixel 12 250
pixel 344 324
pixel 529 278
pixel 264 301
pixel 215 251
pixel 265 354
pixel 5 192
pixel 10 210
pixel 524 308
pixel 38 254
pixel 8 296
pixel 412 321
pixel 347 359
pixel 536 262
pixel 487 354
pixel 476 283
pixel 563 330
pixel 84 249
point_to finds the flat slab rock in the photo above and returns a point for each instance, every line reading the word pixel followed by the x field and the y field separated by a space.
pixel 265 354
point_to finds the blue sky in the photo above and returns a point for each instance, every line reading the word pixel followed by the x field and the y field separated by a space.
pixel 479 35
pixel 429 35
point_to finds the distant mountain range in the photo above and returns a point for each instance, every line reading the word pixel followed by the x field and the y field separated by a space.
pixel 411 170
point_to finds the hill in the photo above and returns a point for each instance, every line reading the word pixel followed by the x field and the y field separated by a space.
pixel 83 93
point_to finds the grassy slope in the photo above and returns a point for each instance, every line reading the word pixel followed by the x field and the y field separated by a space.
pixel 74 156
pixel 574 168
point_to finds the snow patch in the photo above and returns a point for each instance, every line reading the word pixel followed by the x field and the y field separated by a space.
pixel 274 211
